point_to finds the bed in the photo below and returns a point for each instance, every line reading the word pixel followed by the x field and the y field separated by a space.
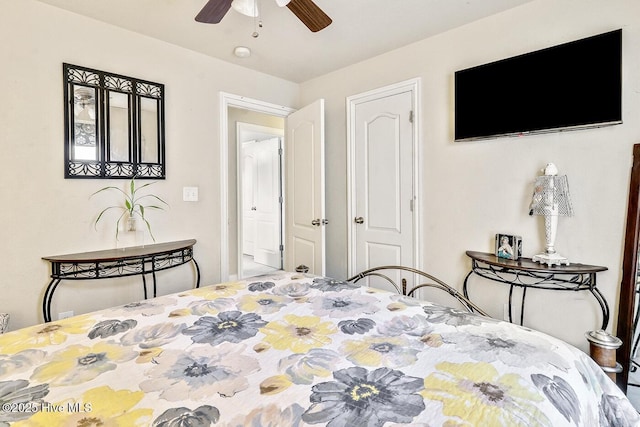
pixel 292 349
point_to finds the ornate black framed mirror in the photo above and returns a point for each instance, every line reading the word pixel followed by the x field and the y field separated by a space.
pixel 114 125
pixel 628 306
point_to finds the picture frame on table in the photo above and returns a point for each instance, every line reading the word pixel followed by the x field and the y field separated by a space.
pixel 508 246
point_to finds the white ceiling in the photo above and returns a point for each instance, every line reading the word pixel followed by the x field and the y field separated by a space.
pixel 285 48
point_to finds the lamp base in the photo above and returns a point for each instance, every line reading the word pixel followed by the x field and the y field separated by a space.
pixel 550 259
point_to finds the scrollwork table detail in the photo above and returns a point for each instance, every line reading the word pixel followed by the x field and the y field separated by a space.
pixel 132 261
pixel 526 274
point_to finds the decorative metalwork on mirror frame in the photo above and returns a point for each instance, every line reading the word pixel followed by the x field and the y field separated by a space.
pixel 114 125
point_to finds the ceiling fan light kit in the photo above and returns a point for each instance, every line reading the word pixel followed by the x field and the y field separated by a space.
pixel 246 7
pixel 306 10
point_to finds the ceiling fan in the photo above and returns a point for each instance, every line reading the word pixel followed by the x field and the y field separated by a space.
pixel 306 11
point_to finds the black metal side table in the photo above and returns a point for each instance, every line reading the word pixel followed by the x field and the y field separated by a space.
pixel 133 261
pixel 526 274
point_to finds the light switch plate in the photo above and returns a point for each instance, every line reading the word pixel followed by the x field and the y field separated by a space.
pixel 190 194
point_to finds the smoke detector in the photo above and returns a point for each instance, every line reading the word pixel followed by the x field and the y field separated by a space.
pixel 242 52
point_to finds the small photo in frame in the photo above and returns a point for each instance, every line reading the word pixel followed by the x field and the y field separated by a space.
pixel 508 246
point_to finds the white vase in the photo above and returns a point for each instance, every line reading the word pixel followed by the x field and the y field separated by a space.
pixel 130 235
pixel 131 223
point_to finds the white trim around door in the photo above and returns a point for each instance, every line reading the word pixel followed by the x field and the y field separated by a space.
pixel 229 100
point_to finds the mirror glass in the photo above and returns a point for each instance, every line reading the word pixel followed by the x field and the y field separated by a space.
pixel 119 141
pixel 149 142
pixel 84 123
pixel 114 125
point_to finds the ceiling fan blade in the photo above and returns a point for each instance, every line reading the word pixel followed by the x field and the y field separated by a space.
pixel 213 11
pixel 310 14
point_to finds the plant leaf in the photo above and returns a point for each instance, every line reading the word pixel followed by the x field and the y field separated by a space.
pixel 132 204
pixel 108 188
pixel 145 185
pixel 118 224
pixel 95 224
pixel 149 228
pixel 152 196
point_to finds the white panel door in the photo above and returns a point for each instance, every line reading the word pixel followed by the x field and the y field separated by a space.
pixel 248 198
pixel 384 193
pixel 267 203
pixel 304 183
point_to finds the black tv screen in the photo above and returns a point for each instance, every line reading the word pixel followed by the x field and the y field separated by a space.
pixel 569 86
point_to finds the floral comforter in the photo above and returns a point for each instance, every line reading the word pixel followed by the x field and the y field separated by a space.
pixel 296 350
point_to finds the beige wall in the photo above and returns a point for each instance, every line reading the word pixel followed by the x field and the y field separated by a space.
pixel 44 214
pixel 473 190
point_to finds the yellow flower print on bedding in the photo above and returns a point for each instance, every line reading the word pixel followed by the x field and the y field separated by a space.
pixel 228 289
pixel 262 303
pixel 298 333
pixel 101 406
pixel 478 394
pixel 275 384
pixel 392 352
pixel 77 364
pixel 44 335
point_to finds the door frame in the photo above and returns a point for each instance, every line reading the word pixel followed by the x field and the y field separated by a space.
pixel 275 133
pixel 230 100
pixel 413 86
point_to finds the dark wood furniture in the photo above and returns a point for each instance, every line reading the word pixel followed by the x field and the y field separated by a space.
pixel 526 274
pixel 629 285
pixel 132 261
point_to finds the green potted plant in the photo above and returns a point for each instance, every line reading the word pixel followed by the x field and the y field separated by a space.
pixel 133 206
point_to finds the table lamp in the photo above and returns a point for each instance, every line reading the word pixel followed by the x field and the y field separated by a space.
pixel 551 200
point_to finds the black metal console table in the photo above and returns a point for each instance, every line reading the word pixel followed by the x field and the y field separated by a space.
pixel 132 261
pixel 525 273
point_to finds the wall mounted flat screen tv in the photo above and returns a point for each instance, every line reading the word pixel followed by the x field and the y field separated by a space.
pixel 570 86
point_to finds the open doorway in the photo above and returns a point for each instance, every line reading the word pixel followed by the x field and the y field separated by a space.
pixel 260 199
pixel 304 230
pixel 245 128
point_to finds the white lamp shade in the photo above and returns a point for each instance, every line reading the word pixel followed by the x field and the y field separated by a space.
pixel 246 7
pixel 551 199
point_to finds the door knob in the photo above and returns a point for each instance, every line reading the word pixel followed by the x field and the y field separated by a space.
pixel 316 222
pixel 359 220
